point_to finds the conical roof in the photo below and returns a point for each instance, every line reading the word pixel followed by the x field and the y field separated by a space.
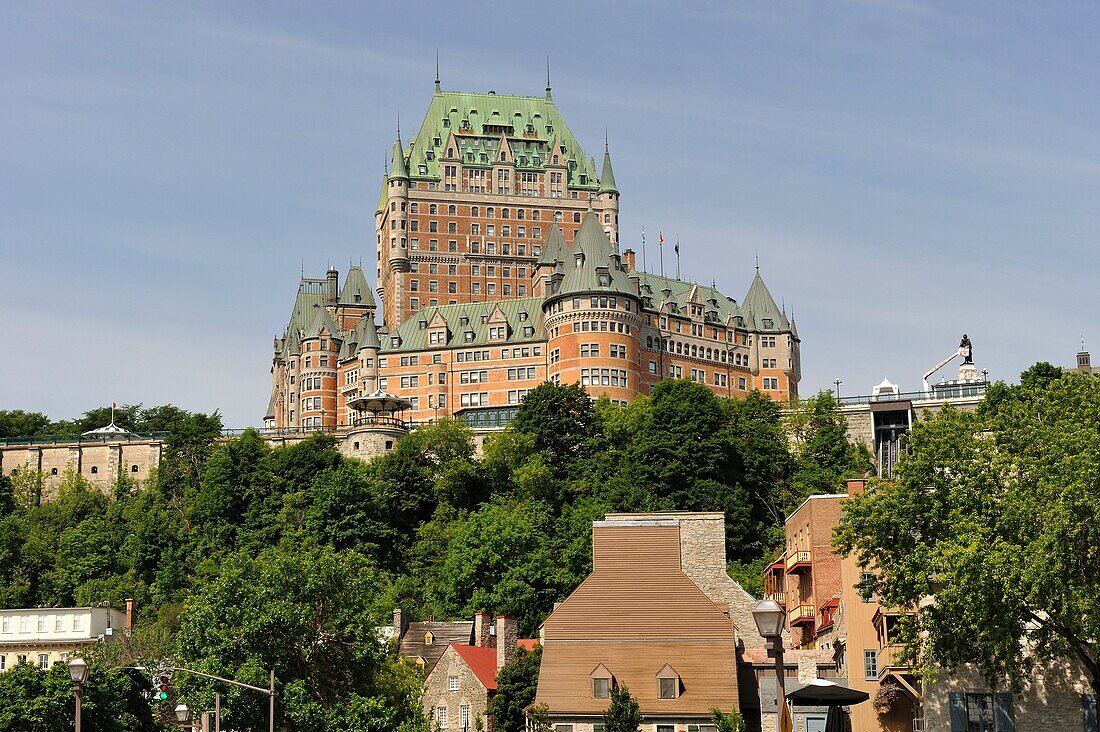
pixel 400 170
pixel 593 255
pixel 553 251
pixel 759 305
pixel 356 285
pixel 607 178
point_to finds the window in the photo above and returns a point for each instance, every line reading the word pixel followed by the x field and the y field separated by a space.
pixel 3 663
pixel 601 688
pixel 870 664
pixel 24 624
pixel 452 683
pixel 7 625
pixel 771 384
pixel 668 683
pixel 57 622
pixel 441 717
pixel 867 586
pixel 985 712
pixel 43 660
pixel 666 728
pixel 41 623
pixel 464 716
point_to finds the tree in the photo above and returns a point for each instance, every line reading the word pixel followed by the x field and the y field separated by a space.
pixel 516 685
pixel 624 714
pixel 732 722
pixel 17 423
pixel 562 420
pixel 995 516
pixel 35 700
pixel 823 456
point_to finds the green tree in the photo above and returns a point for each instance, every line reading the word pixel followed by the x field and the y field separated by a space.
pixel 623 714
pixel 516 685
pixel 35 700
pixel 732 722
pixel 17 423
pixel 996 516
pixel 562 419
pixel 824 457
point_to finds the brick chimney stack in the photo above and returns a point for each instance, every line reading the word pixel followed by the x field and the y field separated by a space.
pixel 855 487
pixel 628 260
pixel 129 615
pixel 333 279
pixel 482 623
pixel 507 639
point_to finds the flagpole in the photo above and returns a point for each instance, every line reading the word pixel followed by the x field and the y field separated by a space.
pixel 677 256
pixel 661 248
pixel 644 268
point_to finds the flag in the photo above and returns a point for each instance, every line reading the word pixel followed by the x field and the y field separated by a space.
pixel 677 247
pixel 114 406
pixel 661 239
pixel 786 724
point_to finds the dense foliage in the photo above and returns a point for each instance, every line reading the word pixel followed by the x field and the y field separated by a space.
pixel 995 517
pixel 245 558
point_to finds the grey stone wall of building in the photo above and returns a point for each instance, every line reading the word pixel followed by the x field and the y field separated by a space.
pixel 1051 700
pixel 471 691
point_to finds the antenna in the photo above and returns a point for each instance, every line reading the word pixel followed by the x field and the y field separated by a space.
pixel 548 75
pixel 605 139
pixel 437 69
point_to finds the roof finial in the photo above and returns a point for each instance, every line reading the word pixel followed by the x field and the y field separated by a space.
pixel 548 76
pixel 437 89
pixel 758 263
pixel 605 138
pixel 399 124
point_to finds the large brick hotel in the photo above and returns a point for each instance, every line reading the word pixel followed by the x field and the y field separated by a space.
pixel 498 268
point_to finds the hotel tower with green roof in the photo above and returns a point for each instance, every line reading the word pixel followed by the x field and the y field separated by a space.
pixel 498 267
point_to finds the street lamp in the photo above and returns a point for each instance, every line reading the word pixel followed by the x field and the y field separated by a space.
pixel 769 616
pixel 78 672
pixel 183 714
pixel 837 383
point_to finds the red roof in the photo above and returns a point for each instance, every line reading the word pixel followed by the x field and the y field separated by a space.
pixel 482 661
pixel 527 644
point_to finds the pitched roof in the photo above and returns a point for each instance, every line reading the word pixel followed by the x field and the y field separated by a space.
pixel 680 292
pixel 444 633
pixel 355 284
pixel 759 306
pixel 528 125
pixel 400 170
pixel 636 613
pixel 414 338
pixel 482 661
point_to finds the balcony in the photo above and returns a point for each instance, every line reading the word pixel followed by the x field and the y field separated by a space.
pixel 779 596
pixel 799 561
pixel 801 615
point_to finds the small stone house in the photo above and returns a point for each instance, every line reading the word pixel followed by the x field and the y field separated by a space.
pixel 459 688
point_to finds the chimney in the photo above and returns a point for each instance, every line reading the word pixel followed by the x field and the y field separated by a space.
pixel 507 639
pixel 1084 362
pixel 628 260
pixel 333 278
pixel 398 623
pixel 482 623
pixel 855 487
pixel 129 615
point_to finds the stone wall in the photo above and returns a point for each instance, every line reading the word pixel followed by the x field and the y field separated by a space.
pixel 471 692
pixel 100 463
pixel 1050 701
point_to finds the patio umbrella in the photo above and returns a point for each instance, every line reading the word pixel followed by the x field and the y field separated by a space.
pixel 822 692
pixel 825 693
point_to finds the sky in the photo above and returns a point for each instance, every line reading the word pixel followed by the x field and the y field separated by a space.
pixel 906 171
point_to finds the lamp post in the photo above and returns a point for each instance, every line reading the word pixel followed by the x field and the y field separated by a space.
pixel 183 714
pixel 78 672
pixel 769 617
pixel 837 383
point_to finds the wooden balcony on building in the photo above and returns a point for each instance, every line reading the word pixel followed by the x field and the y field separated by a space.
pixel 799 561
pixel 778 595
pixel 801 615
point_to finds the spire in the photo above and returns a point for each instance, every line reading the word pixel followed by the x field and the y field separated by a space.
pixel 759 305
pixel 607 177
pixel 547 76
pixel 438 90
pixel 400 170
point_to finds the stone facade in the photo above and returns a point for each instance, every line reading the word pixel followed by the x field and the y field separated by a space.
pixel 44 636
pixel 470 693
pixel 99 462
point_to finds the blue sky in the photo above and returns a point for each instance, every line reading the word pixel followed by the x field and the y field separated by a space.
pixel 907 171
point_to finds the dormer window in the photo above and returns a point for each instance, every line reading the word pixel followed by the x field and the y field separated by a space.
pixel 579 258
pixel 423 324
pixel 522 316
pixel 602 681
pixel 395 341
pixel 604 280
pixel 484 319
pixel 429 638
pixel 668 683
pixel 464 320
pixel 768 322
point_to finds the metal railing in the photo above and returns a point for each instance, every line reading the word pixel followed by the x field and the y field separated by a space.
pixel 940 392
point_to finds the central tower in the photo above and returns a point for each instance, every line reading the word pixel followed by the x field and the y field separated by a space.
pixel 466 206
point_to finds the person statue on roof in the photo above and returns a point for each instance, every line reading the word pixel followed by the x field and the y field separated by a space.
pixel 966 349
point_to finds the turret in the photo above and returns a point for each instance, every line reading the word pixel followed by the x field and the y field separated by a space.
pixel 593 318
pixel 607 199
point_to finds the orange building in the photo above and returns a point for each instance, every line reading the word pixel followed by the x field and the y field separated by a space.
pixel 498 268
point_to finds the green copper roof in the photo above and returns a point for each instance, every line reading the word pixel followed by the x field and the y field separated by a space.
pixel 607 177
pixel 384 197
pixel 652 287
pixel 553 251
pixel 355 284
pixel 528 125
pixel 365 335
pixel 400 171
pixel 759 306
pixel 593 255
pixel 467 317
